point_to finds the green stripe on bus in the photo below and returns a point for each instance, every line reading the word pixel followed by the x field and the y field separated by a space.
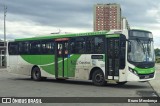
pixel 47 63
pixel 144 71
pixel 72 64
pixel 112 35
pixel 38 59
pixel 63 35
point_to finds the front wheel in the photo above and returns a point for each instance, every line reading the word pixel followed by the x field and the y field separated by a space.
pixel 36 74
pixel 98 78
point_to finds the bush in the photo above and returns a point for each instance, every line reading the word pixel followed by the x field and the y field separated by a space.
pixel 157 59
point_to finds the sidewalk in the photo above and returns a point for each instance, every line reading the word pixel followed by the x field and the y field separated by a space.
pixel 156 82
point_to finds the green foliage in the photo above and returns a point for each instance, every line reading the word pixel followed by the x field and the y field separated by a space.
pixel 157 52
pixel 157 59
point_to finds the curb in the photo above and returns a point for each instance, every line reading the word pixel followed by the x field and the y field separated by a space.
pixel 154 83
pixel 158 94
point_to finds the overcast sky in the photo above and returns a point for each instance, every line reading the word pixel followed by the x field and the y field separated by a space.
pixel 26 18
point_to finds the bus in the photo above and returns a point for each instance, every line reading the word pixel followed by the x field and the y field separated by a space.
pixel 101 56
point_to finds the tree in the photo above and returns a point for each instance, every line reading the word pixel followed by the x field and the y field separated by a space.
pixel 157 52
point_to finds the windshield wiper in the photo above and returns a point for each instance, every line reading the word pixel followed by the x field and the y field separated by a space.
pixel 148 50
pixel 141 45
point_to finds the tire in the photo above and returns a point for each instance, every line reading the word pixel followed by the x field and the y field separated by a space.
pixel 43 78
pixel 98 78
pixel 36 74
pixel 121 83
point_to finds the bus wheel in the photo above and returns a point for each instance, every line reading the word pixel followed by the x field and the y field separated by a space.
pixel 121 83
pixel 98 78
pixel 36 74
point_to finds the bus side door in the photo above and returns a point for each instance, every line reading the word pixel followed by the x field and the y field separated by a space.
pixel 112 61
pixel 115 56
pixel 61 58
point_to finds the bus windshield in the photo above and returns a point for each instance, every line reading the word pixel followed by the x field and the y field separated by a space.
pixel 141 49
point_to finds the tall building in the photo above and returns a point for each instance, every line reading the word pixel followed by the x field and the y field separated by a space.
pixel 107 16
pixel 124 23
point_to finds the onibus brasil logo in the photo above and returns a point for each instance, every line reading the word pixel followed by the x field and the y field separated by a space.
pixel 20 100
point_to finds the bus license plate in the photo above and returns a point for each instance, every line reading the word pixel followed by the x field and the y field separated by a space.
pixel 146 76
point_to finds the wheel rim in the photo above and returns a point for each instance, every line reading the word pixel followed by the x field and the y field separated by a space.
pixel 99 78
pixel 36 74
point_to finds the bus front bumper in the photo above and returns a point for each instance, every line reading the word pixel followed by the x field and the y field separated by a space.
pixel 140 77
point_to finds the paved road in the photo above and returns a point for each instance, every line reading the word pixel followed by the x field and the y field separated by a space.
pixel 21 86
pixel 156 82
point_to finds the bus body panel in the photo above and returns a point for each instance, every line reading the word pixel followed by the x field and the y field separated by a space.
pixel 80 67
pixel 76 66
pixel 12 64
pixel 85 64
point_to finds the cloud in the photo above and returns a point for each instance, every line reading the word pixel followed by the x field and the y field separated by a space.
pixel 77 13
pixel 154 13
pixel 53 13
pixel 21 29
pixel 26 18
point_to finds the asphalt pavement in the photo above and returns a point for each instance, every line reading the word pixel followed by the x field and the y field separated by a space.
pixel 12 85
pixel 156 82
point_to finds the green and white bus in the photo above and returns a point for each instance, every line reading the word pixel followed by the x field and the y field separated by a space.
pixel 102 56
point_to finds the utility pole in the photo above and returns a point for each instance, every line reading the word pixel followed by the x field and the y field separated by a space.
pixel 4 59
pixel 5 11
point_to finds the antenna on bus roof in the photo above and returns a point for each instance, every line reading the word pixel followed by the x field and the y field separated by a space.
pixel 59 31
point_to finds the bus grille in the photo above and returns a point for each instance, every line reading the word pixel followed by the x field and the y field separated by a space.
pixel 146 76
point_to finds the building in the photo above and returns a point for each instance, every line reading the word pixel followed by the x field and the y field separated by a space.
pixel 3 62
pixel 107 16
pixel 124 23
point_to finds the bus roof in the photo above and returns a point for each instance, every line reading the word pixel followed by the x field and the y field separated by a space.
pixel 140 30
pixel 63 35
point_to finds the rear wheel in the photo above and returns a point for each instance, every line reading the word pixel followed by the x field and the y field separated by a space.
pixel 36 74
pixel 98 78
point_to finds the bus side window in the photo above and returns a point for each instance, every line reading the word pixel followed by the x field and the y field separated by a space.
pixel 72 46
pixel 13 48
pixel 47 47
pixel 66 48
pixel 35 47
pixel 80 45
pixel 90 45
pixel 59 49
pixel 99 45
pixel 77 45
pixel 24 48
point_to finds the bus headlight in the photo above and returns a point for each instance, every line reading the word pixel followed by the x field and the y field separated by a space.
pixel 132 71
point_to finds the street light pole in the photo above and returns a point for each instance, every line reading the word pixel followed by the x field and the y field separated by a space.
pixel 5 11
pixel 5 43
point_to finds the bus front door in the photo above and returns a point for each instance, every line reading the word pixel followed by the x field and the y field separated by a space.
pixel 112 58
pixel 61 59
